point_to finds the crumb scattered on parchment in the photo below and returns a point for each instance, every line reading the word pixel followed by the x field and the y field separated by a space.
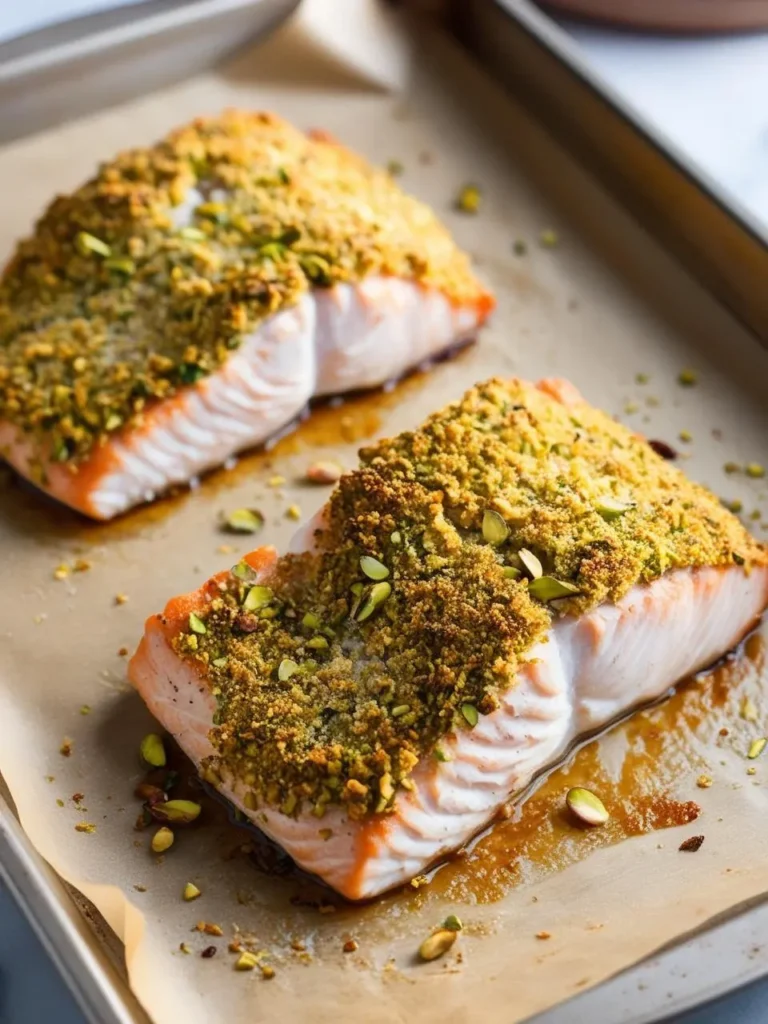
pixel 543 935
pixel 691 845
pixel 121 599
pixel 85 826
pixel 66 747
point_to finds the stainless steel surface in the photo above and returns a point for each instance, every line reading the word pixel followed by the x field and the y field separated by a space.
pixel 713 237
pixel 57 922
pixel 115 57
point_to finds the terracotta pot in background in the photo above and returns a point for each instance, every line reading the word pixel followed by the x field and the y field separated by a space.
pixel 671 15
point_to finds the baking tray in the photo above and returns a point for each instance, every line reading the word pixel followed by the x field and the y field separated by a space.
pixel 706 228
pixel 639 995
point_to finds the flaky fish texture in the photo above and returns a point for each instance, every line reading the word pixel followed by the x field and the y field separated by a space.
pixel 190 300
pixel 535 581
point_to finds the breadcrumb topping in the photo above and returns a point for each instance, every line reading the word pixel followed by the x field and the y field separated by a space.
pixel 336 675
pixel 144 280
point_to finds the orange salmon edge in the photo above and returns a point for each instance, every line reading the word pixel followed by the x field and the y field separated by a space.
pixel 368 840
pixel 561 390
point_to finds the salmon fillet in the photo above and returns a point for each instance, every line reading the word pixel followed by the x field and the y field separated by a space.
pixel 541 571
pixel 190 300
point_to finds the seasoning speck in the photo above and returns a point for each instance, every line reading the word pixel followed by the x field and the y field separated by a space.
pixel 543 935
pixel 519 247
pixel 350 946
pixel 687 378
pixel 549 238
pixel 208 952
pixel 66 747
pixel 468 199
pixel 641 378
pixel 85 709
pixel 666 451
pixel 691 845
pixel 731 467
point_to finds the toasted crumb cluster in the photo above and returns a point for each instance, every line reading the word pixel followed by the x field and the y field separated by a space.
pixel 334 677
pixel 145 279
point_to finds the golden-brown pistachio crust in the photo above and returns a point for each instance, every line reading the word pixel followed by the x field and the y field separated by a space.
pixel 364 700
pixel 126 292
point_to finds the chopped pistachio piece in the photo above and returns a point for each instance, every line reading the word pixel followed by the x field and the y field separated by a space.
pixel 396 538
pixel 687 378
pixel 611 508
pixel 377 595
pixel 704 781
pixel 588 808
pixel 257 597
pixel 549 238
pixel 373 568
pixel 437 944
pixel 394 168
pixel 293 512
pixel 495 530
pixel 468 199
pixel 162 840
pixel 244 520
pixel 756 748
pixel 511 573
pixel 731 467
pixel 470 714
pixel 246 961
pixel 547 588
pixel 152 750
pixel 400 710
pixel 531 563
pixel 641 378
pixel 196 624
pixel 685 436
pixel 311 621
pixel 748 710
pixel 87 244
pixel 191 892
pixel 178 812
pixel 286 669
pixel 121 265
pixel 452 923
pixel 754 470
pixel 317 643
pixel 519 247
pixel 244 572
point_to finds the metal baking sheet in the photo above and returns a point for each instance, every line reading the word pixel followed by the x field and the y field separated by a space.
pixel 706 228
pixel 606 231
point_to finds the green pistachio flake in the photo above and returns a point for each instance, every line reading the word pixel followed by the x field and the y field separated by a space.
pixel 400 710
pixel 547 588
pixel 470 713
pixel 257 597
pixel 394 168
pixel 311 621
pixel 87 245
pixel 531 563
pixel 317 643
pixel 179 812
pixel 519 247
pixel 641 378
pixel 687 378
pixel 756 748
pixel 511 573
pixel 754 470
pixel 244 572
pixel 196 624
pixel 452 923
pixel 373 568
pixel 549 239
pixel 468 199
pixel 587 806
pixel 437 944
pixel 440 755
pixel 396 538
pixel 193 234
pixel 495 530
pixel 219 662
pixel 611 508
pixel 152 750
pixel 244 520
pixel 286 669
pixel 377 595
pixel 120 265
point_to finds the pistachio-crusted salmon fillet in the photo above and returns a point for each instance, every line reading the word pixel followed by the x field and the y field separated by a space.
pixel 517 572
pixel 189 301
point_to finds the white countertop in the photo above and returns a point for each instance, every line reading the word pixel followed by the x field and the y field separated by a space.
pixel 708 94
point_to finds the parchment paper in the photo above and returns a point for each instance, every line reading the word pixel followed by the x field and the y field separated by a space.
pixel 600 307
